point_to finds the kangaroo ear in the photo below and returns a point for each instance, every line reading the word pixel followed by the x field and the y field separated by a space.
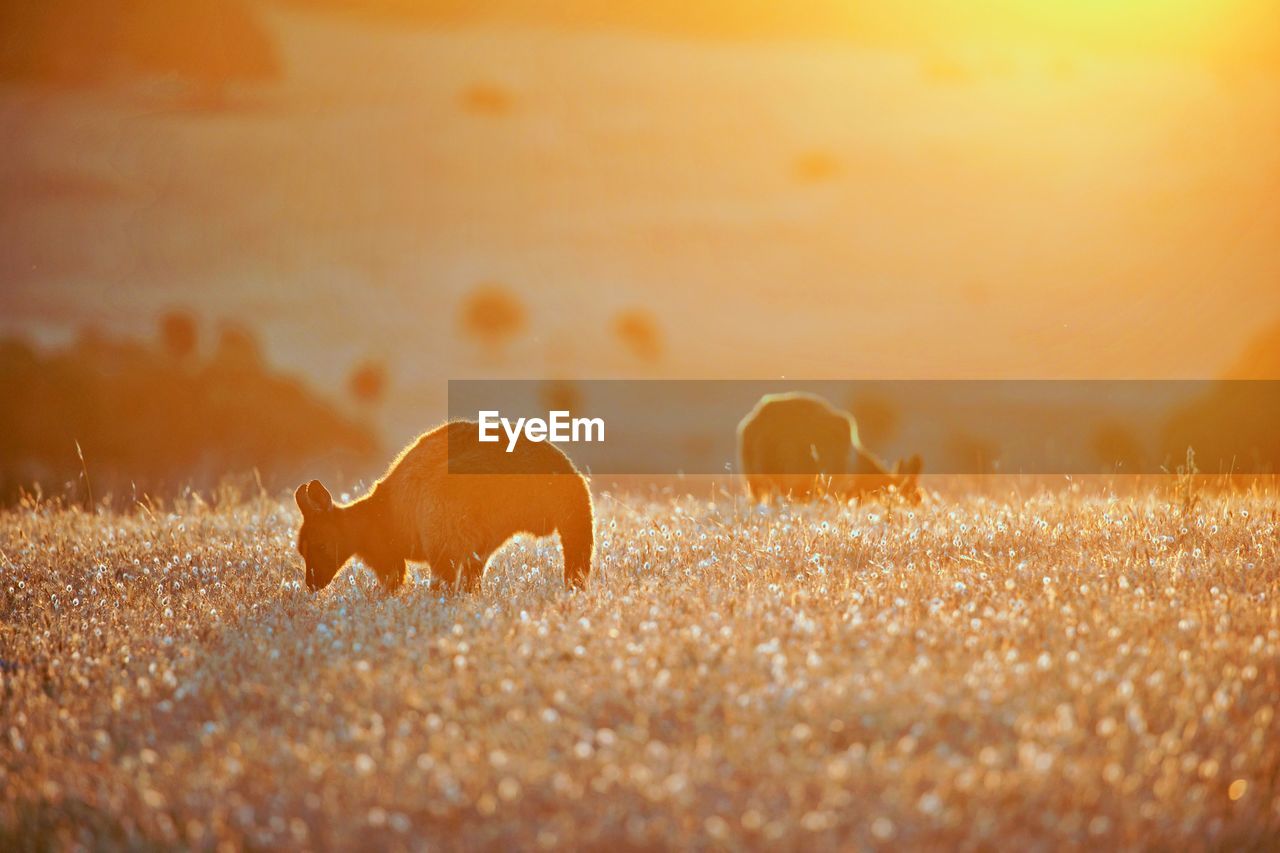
pixel 319 496
pixel 914 465
pixel 897 467
pixel 300 495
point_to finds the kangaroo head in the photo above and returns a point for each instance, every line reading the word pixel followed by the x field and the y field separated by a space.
pixel 907 474
pixel 318 537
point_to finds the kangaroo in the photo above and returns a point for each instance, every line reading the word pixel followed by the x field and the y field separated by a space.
pixel 799 445
pixel 450 500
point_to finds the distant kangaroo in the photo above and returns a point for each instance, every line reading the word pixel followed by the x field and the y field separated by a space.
pixel 801 446
pixel 420 511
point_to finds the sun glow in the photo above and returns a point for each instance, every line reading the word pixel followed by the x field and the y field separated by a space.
pixel 1105 23
pixel 1221 31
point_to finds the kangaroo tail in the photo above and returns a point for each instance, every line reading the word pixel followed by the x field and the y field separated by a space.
pixel 577 533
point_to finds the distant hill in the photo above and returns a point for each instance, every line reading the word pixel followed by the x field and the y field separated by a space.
pixel 148 421
pixel 1236 426
pixel 1260 358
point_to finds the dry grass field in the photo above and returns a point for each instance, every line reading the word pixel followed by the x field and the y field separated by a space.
pixel 1041 669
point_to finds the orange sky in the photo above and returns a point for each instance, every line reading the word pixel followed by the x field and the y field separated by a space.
pixel 1230 33
pixel 1000 202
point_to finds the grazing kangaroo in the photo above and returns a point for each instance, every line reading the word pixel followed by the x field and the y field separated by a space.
pixel 421 511
pixel 801 446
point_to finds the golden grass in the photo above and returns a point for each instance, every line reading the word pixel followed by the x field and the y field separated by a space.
pixel 1056 669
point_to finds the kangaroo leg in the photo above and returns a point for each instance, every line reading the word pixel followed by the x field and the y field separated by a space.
pixel 471 571
pixel 444 577
pixel 391 574
pixel 577 537
pixel 452 574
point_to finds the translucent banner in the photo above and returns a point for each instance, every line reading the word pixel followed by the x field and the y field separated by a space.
pixel 659 427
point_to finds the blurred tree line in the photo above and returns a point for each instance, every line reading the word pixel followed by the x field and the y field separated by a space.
pixel 154 416
pixel 207 44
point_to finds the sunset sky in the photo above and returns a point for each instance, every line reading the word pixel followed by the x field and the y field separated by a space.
pixel 844 190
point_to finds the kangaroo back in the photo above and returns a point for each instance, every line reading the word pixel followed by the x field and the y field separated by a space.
pixel 789 443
